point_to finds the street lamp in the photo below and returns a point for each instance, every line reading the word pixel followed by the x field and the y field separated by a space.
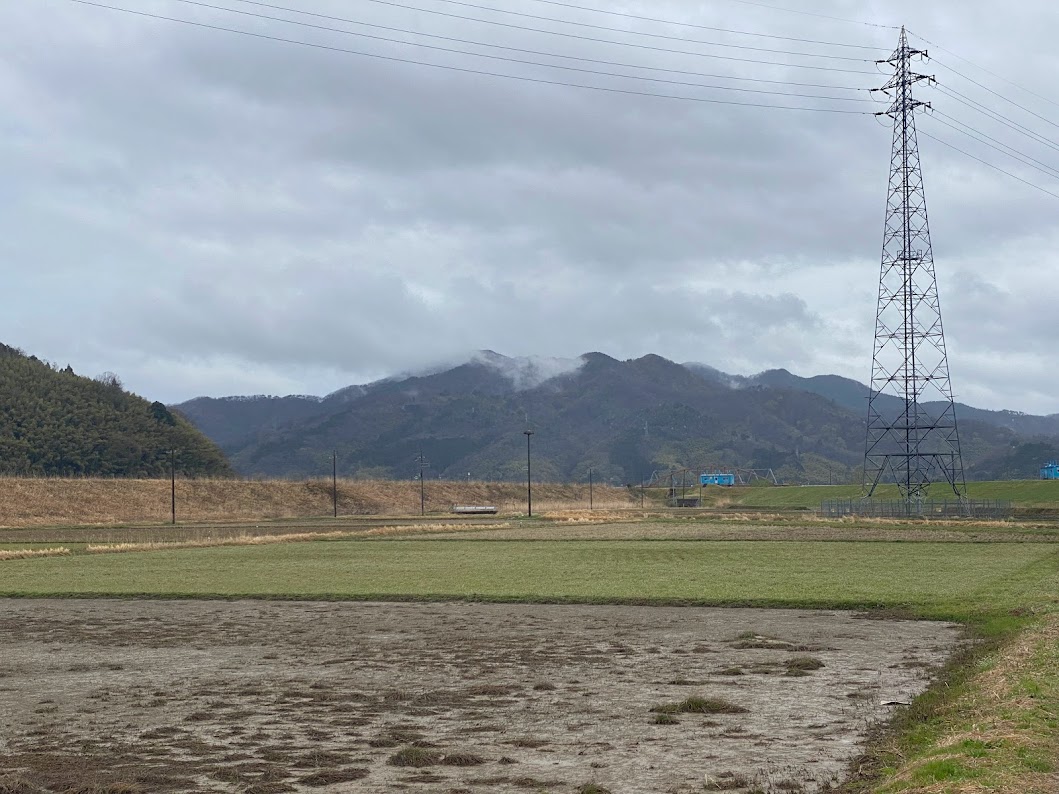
pixel 529 479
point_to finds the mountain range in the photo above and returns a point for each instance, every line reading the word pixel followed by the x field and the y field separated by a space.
pixel 623 419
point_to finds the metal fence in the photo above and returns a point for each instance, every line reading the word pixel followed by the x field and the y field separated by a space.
pixel 929 508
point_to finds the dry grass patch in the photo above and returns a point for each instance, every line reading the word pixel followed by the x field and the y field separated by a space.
pixel 595 516
pixel 700 705
pixel 329 777
pixel 462 759
pixel 798 666
pixel 243 540
pixel 416 757
pixel 29 554
pixel 28 502
pixel 293 537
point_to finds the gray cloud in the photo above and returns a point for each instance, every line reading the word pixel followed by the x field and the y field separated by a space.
pixel 208 213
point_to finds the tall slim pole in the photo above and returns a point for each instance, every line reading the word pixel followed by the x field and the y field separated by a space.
pixel 334 482
pixel 529 475
pixel 641 492
pixel 422 487
pixel 590 504
pixel 172 485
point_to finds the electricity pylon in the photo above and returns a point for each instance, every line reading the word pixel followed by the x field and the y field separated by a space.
pixel 913 441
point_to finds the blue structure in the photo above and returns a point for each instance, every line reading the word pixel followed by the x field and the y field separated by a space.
pixel 717 478
pixel 1050 471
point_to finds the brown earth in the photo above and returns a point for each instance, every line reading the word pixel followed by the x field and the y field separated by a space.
pixel 727 530
pixel 568 525
pixel 144 696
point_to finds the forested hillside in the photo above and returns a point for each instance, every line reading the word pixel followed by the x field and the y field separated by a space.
pixel 55 422
pixel 624 419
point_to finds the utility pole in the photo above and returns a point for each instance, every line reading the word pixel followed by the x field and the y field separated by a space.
pixel 529 477
pixel 422 461
pixel 172 486
pixel 920 443
pixel 589 487
pixel 334 482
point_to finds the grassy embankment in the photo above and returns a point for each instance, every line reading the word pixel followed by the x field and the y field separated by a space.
pixel 1021 493
pixel 27 502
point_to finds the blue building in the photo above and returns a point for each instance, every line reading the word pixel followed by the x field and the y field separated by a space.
pixel 1050 471
pixel 717 478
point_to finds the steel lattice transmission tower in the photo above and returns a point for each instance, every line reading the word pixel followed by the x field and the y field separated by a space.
pixel 913 441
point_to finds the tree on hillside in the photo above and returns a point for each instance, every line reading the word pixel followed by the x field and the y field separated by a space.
pixel 56 423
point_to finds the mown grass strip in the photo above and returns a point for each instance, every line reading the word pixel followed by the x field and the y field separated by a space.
pixel 932 579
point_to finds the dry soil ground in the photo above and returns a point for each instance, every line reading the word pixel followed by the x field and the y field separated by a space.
pixel 144 696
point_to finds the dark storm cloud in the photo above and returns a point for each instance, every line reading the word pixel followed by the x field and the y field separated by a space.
pixel 205 212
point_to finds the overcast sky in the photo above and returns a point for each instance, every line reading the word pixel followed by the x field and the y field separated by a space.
pixel 208 213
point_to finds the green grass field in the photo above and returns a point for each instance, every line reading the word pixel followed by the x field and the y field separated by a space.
pixel 1021 493
pixel 930 578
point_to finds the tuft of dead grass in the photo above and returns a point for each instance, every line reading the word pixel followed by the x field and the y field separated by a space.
pixel 700 705
pixel 416 757
pixel 462 759
pixel 328 777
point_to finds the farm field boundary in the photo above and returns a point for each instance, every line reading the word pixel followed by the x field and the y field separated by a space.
pixel 1023 494
pixel 987 725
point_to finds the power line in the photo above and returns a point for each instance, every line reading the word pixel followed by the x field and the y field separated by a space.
pixel 987 71
pixel 818 16
pixel 561 21
pixel 705 27
pixel 465 70
pixel 990 165
pixel 993 115
pixel 521 60
pixel 995 93
pixel 510 25
pixel 533 52
pixel 999 146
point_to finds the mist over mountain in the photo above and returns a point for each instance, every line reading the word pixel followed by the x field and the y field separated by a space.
pixel 624 419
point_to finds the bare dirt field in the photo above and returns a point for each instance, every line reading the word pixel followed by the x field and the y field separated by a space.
pixel 144 696
pixel 758 531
